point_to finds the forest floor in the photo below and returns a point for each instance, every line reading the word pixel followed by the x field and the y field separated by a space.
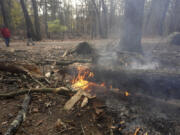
pixel 116 115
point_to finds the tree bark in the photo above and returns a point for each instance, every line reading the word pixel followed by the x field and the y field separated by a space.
pixel 29 25
pixel 5 13
pixel 36 20
pixel 132 26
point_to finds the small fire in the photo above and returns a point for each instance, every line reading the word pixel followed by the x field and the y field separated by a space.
pixel 81 81
pixel 126 94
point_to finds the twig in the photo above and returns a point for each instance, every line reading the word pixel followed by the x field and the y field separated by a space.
pixel 36 81
pixel 20 117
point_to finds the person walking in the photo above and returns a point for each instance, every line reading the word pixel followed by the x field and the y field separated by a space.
pixel 6 35
pixel 29 39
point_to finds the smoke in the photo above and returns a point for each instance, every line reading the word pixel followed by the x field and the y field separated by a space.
pixel 148 66
pixel 111 57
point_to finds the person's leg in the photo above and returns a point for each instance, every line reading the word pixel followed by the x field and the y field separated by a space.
pixel 6 41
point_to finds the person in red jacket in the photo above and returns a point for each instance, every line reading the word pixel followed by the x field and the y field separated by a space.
pixel 6 35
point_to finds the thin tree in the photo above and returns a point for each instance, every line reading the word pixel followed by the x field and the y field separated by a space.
pixel 132 26
pixel 98 19
pixel 5 13
pixel 36 20
pixel 29 25
pixel 46 18
pixel 105 19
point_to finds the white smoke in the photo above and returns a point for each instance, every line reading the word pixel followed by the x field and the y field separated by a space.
pixel 148 66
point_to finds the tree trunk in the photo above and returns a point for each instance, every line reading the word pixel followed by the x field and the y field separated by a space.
pixel 98 19
pixel 175 17
pixel 112 14
pixel 36 20
pixel 163 17
pixel 105 20
pixel 5 13
pixel 29 25
pixel 132 26
pixel 157 16
pixel 46 19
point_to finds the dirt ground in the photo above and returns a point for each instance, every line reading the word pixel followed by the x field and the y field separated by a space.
pixel 115 115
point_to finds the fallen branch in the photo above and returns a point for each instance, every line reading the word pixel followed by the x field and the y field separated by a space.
pixel 61 90
pixel 20 117
pixel 21 68
pixel 68 62
pixel 64 62
pixel 74 99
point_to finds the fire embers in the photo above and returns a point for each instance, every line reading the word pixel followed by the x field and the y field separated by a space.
pixel 84 81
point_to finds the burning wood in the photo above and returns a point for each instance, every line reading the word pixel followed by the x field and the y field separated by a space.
pixel 126 93
pixel 81 81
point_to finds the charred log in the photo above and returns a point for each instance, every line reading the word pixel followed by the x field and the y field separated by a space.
pixel 20 117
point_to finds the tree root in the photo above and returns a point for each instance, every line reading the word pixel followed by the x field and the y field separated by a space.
pixel 61 90
pixel 20 117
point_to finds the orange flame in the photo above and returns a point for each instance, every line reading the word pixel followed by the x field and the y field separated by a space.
pixel 126 94
pixel 81 81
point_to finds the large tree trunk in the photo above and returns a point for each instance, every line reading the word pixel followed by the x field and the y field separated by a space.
pixel 132 26
pixel 36 20
pixel 5 13
pixel 29 25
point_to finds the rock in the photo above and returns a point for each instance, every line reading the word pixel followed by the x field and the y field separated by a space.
pixel 174 38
